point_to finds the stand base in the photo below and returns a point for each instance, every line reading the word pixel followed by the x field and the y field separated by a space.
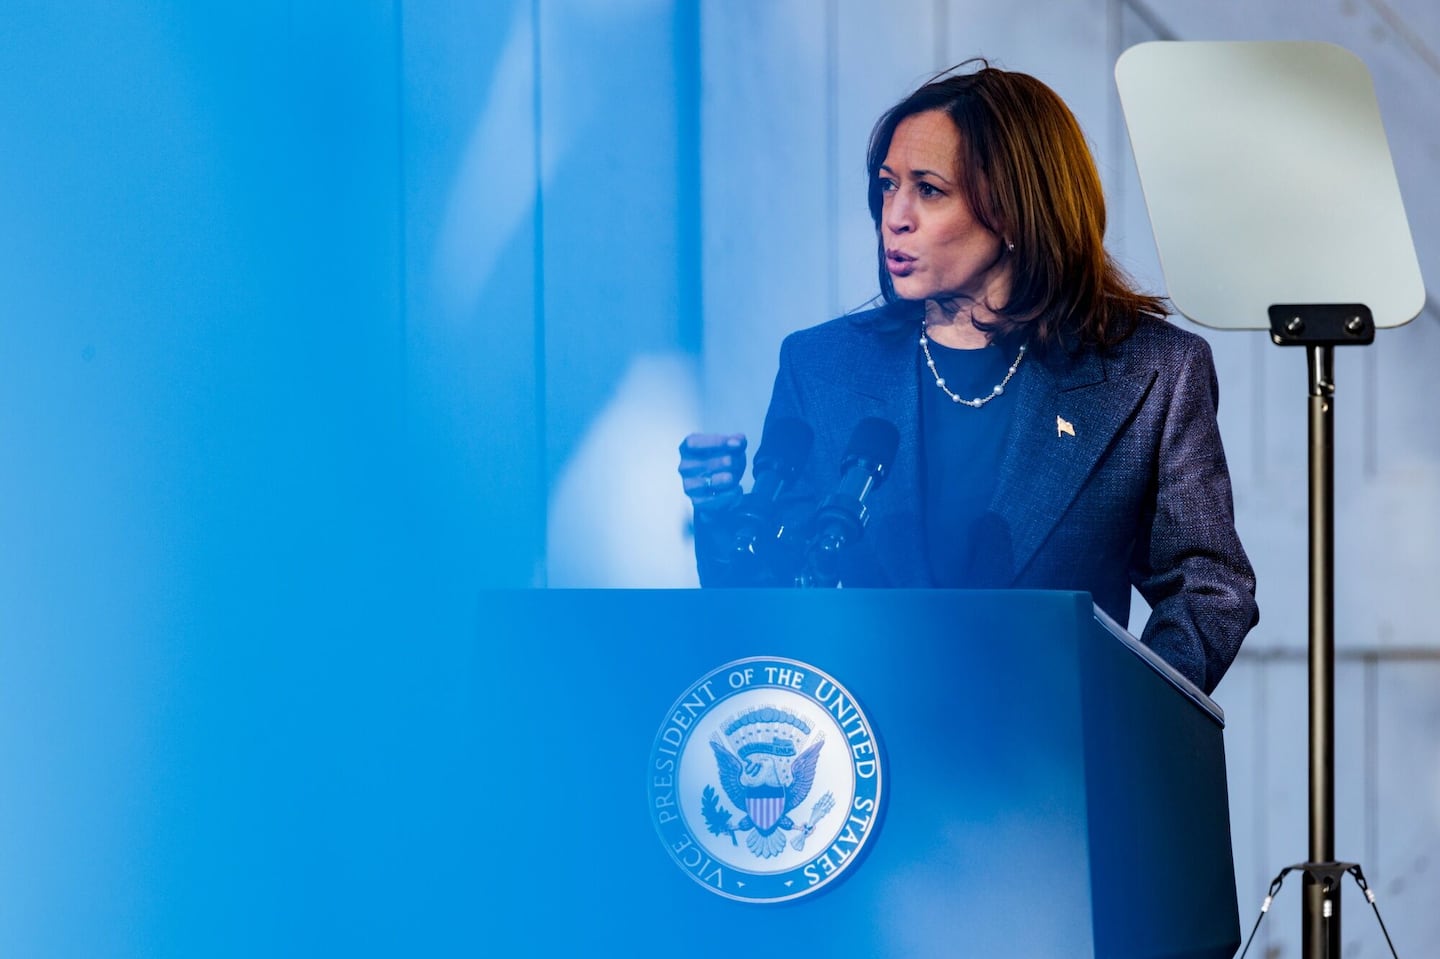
pixel 1321 929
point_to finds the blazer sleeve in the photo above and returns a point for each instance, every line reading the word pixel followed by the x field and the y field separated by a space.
pixel 1188 562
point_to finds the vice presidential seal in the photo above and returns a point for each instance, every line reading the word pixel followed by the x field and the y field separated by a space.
pixel 765 780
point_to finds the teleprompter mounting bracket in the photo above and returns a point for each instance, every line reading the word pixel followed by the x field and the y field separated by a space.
pixel 1321 324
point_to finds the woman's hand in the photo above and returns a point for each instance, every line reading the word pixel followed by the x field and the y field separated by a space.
pixel 711 466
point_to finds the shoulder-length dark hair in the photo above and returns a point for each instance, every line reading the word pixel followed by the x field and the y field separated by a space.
pixel 1029 177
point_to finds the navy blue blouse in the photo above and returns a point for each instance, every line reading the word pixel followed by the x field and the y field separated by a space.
pixel 962 451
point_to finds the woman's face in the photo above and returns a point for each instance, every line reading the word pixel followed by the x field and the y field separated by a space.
pixel 935 248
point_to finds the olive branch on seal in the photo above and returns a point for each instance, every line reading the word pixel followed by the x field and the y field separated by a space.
pixel 717 820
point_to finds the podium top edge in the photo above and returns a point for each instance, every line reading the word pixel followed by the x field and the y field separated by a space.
pixel 1167 672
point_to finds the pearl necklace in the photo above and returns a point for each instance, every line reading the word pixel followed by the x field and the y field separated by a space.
pixel 978 401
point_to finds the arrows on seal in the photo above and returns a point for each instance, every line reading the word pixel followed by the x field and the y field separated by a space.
pixel 822 807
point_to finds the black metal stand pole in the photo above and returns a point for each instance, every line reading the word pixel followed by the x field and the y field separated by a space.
pixel 1320 902
pixel 1320 328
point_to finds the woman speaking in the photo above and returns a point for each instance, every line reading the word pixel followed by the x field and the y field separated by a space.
pixel 1055 431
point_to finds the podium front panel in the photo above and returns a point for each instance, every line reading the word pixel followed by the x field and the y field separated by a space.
pixel 976 700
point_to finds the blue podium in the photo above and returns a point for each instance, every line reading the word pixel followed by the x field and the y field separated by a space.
pixel 835 773
pixel 1049 788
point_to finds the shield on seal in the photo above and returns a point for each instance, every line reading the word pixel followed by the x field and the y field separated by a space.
pixel 765 805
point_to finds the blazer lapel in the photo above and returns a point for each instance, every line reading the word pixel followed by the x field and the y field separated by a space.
pixel 1067 414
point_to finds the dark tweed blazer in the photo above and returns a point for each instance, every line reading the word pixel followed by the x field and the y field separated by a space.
pixel 1140 492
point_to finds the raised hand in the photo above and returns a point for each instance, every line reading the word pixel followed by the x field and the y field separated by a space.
pixel 711 466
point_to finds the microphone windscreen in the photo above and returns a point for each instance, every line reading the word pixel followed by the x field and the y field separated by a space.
pixel 874 442
pixel 785 446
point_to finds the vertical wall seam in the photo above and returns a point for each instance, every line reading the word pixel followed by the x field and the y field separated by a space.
pixel 1260 781
pixel 689 177
pixel 942 34
pixel 402 223
pixel 1114 46
pixel 1259 421
pixel 1371 704
pixel 542 472
pixel 832 161
pixel 1370 413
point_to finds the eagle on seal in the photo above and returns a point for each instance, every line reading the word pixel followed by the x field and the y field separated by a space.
pixel 764 776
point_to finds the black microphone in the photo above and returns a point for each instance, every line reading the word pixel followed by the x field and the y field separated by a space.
pixel 843 514
pixel 784 448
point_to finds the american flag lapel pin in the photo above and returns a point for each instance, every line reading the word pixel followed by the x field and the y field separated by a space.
pixel 1063 426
